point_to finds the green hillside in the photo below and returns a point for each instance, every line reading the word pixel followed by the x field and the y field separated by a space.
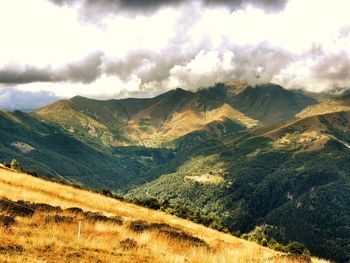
pixel 208 151
pixel 251 179
pixel 268 103
pixel 50 152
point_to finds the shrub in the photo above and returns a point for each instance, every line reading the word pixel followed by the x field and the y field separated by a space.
pixel 297 249
pixel 106 193
pixel 75 210
pixel 183 236
pixel 45 207
pixel 264 242
pixel 97 217
pixel 6 221
pixel 128 243
pixel 139 226
pixel 32 173
pixel 161 226
pixel 14 164
pixel 11 248
pixel 59 219
pixel 293 258
pixel 18 208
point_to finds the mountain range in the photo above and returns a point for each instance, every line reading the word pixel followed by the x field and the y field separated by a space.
pixel 249 155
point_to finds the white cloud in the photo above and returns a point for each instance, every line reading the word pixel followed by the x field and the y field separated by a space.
pixel 189 44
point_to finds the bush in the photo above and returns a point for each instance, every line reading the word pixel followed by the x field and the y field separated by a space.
pixel 185 237
pixel 128 243
pixel 75 210
pixel 14 164
pixel 45 207
pixel 6 221
pixel 18 208
pixel 11 248
pixel 97 217
pixel 106 192
pixel 59 219
pixel 139 226
pixel 297 249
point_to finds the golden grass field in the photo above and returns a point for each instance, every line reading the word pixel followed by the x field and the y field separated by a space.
pixel 36 239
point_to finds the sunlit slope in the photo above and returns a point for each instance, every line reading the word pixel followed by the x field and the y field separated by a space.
pixel 158 120
pixel 149 122
pixel 51 234
pixel 328 106
pixel 267 103
pixel 294 176
pixel 311 133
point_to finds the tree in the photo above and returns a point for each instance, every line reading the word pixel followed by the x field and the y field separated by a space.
pixel 14 164
pixel 297 248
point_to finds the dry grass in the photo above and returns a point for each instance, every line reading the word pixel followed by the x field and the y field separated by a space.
pixel 34 239
pixel 325 107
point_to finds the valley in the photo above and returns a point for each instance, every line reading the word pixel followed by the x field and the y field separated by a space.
pixel 249 156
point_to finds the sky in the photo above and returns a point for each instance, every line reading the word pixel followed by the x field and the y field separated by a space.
pixel 52 49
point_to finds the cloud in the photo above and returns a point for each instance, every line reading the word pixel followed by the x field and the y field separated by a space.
pixel 253 65
pixel 333 67
pixel 147 47
pixel 268 5
pixel 85 70
pixel 94 9
pixel 19 74
pixel 14 99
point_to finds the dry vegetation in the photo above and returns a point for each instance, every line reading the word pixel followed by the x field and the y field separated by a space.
pixel 184 122
pixel 111 231
pixel 325 107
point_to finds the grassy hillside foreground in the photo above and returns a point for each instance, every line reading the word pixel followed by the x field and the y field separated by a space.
pixel 110 231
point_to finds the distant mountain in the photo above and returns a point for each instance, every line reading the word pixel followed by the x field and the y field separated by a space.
pixel 337 104
pixel 148 122
pixel 157 121
pixel 268 103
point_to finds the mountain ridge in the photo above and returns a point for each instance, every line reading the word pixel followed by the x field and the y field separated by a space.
pixel 155 121
pixel 246 176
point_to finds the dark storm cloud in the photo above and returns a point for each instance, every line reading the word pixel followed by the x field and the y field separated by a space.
pixel 24 74
pixel 92 9
pixel 85 70
pixel 268 5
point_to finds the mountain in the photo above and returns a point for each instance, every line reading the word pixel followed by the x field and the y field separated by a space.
pixel 246 165
pixel 157 121
pixel 295 176
pixel 338 104
pixel 53 153
pixel 268 103
pixel 148 122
